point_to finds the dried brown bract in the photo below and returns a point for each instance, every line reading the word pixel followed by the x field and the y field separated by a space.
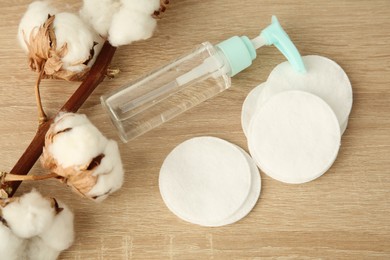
pixel 163 6
pixel 44 54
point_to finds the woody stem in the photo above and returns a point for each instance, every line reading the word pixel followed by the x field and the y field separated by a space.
pixel 8 177
pixel 41 113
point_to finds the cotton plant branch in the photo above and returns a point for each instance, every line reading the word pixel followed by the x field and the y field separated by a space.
pixel 95 76
pixel 9 177
pixel 49 62
pixel 42 117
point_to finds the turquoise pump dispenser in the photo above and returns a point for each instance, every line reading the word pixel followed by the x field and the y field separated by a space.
pixel 240 51
pixel 237 53
pixel 275 35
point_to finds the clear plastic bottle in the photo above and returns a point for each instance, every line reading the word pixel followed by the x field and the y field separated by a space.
pixel 169 91
pixel 160 96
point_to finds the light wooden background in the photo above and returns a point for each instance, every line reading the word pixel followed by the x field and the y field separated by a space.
pixel 345 214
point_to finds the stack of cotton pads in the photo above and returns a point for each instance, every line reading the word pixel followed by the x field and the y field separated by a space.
pixel 209 182
pixel 293 123
pixel 324 78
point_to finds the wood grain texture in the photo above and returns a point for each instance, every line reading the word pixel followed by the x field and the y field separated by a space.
pixel 345 214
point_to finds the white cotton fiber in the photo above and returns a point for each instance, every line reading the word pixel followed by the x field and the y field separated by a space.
pixel 110 173
pixel 253 195
pixel 34 17
pixel 122 22
pixel 37 230
pixel 294 137
pixel 145 6
pixel 205 180
pixel 58 237
pixel 37 249
pixel 78 146
pixel 30 215
pixel 11 246
pixel 60 234
pixel 77 36
pixel 250 106
pixel 99 14
pixel 128 26
pixel 323 78
pixel 63 121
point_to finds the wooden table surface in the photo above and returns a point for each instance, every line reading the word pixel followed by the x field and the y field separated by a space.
pixel 345 214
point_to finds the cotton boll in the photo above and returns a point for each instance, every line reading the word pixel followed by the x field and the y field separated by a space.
pixel 39 250
pixel 109 172
pixel 99 14
pixel 30 215
pixel 60 235
pixel 82 157
pixel 76 144
pixel 60 44
pixel 46 225
pixel 62 121
pixel 77 36
pixel 128 26
pixel 34 17
pixel 11 246
pixel 122 21
pixel 144 6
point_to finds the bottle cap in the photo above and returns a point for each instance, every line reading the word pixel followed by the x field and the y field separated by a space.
pixel 240 51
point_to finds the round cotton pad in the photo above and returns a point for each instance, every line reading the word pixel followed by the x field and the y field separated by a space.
pixel 250 106
pixel 205 180
pixel 253 195
pixel 324 78
pixel 294 137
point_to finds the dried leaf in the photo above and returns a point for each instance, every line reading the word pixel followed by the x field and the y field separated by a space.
pixel 3 194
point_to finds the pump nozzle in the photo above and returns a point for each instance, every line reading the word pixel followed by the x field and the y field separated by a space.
pixel 240 51
pixel 275 35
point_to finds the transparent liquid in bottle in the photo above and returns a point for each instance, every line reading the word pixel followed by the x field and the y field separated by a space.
pixel 160 96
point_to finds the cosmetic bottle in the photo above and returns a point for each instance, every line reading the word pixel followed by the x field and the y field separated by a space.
pixel 189 80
